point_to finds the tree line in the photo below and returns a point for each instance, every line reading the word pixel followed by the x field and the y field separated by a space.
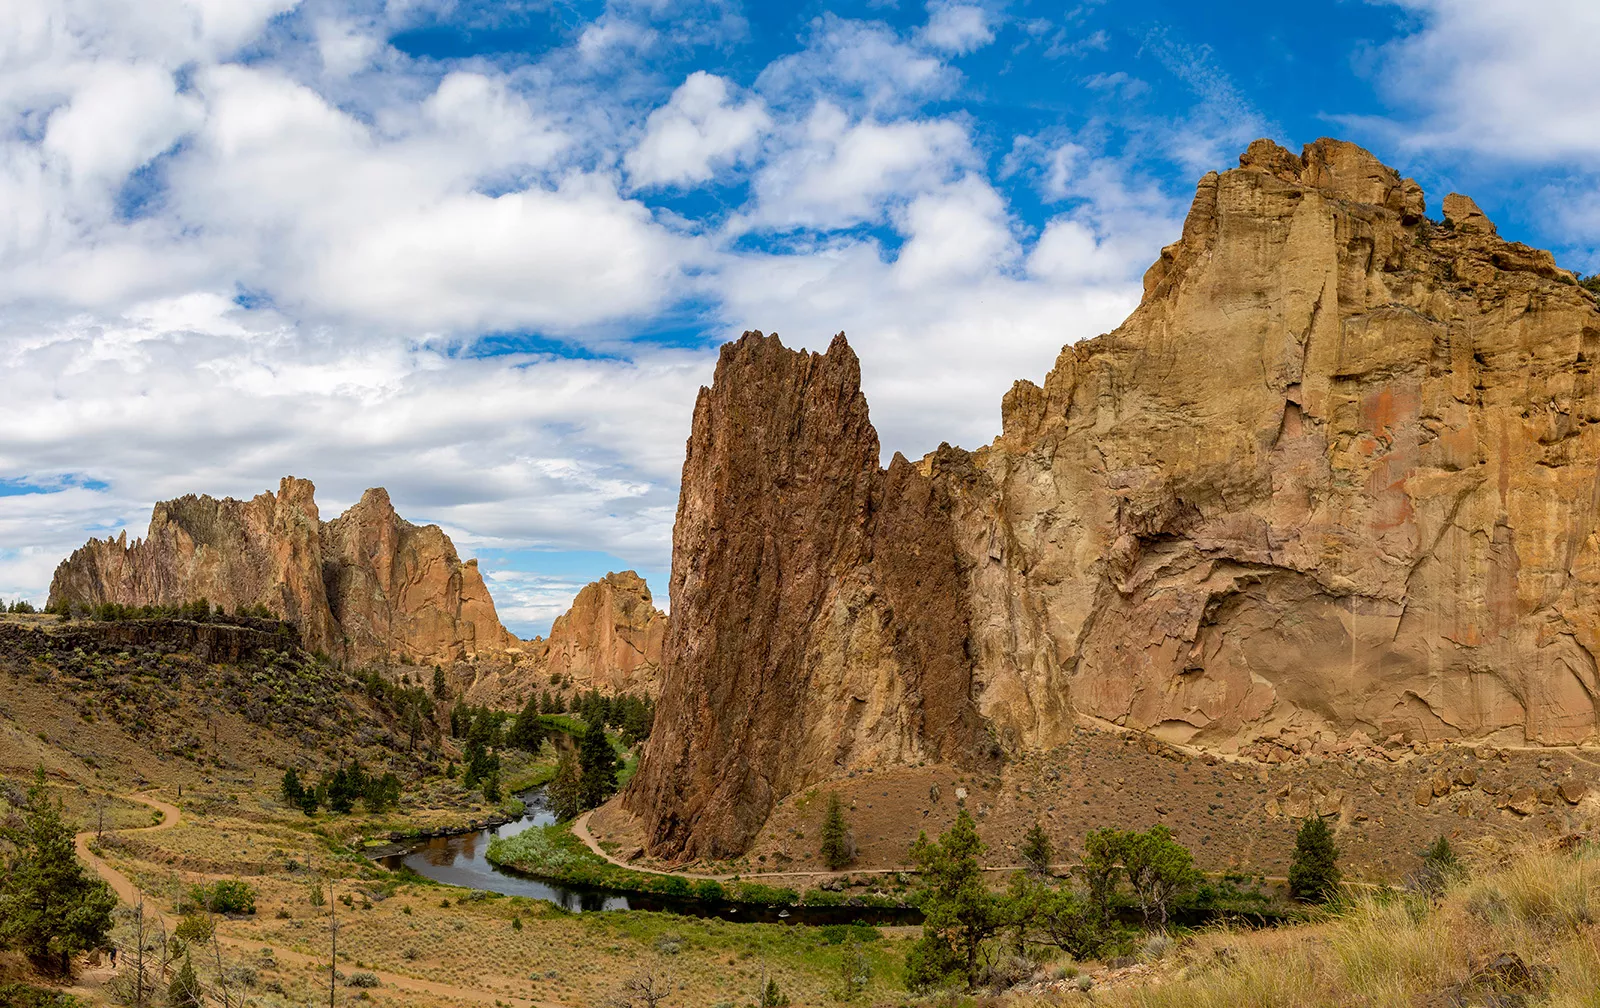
pixel 965 921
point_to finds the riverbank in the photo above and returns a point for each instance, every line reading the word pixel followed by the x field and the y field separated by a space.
pixel 555 852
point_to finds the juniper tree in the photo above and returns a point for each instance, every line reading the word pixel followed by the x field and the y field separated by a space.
pixel 959 912
pixel 49 905
pixel 836 849
pixel 599 762
pixel 1036 850
pixel 1314 872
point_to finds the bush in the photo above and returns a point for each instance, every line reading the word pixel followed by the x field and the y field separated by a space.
pixel 361 978
pixel 225 896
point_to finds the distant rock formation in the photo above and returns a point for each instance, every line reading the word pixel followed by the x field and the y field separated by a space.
pixel 610 640
pixel 367 585
pixel 1334 484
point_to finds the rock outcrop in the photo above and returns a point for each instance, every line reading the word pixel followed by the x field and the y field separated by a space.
pixel 367 585
pixel 819 613
pixel 609 640
pixel 1335 482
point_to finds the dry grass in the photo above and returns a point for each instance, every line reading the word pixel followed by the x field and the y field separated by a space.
pixel 1401 950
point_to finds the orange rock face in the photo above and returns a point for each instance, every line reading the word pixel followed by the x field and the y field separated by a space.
pixel 1335 481
pixel 366 585
pixel 610 640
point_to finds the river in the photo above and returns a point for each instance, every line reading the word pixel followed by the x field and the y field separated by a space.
pixel 462 860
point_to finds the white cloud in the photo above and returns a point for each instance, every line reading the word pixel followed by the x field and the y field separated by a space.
pixel 837 173
pixel 380 215
pixel 1511 81
pixel 698 129
pixel 956 27
pixel 858 62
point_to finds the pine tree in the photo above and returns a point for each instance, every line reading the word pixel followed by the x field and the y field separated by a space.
pixel 184 991
pixel 566 787
pixel 599 762
pixel 441 688
pixel 291 791
pixel 959 912
pixel 527 733
pixel 1313 874
pixel 49 905
pixel 1036 850
pixel 836 849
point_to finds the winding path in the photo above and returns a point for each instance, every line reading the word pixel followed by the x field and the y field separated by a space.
pixel 171 816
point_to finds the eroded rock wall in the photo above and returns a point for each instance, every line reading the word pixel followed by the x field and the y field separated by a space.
pixel 818 609
pixel 609 640
pixel 367 585
pixel 1333 485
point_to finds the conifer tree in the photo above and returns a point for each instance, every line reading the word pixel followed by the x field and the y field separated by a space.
pixel 527 733
pixel 184 991
pixel 291 791
pixel 1314 873
pixel 599 762
pixel 836 849
pixel 959 912
pixel 49 905
pixel 1036 850
pixel 565 792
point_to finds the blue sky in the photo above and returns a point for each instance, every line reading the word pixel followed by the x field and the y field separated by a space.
pixel 482 254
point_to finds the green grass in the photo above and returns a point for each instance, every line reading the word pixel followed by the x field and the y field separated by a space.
pixel 554 852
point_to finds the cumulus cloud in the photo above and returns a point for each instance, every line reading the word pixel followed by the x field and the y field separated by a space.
pixel 695 132
pixel 956 27
pixel 247 238
pixel 1509 81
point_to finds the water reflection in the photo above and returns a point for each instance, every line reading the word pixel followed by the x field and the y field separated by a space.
pixel 462 861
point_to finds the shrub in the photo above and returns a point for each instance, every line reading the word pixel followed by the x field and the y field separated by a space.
pixel 1314 874
pixel 362 978
pixel 225 896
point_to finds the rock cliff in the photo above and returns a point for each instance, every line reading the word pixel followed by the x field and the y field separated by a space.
pixel 1335 484
pixel 819 613
pixel 367 585
pixel 609 640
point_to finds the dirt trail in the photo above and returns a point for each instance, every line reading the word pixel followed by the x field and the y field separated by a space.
pixel 130 893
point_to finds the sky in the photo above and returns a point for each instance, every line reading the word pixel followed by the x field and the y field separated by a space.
pixel 483 254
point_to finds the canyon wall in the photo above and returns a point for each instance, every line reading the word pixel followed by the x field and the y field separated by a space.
pixel 367 585
pixel 1335 484
pixel 818 609
pixel 609 640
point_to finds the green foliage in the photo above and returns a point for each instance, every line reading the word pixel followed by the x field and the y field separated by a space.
pixel 565 792
pixel 709 891
pixel 599 762
pixel 21 995
pixel 224 896
pixel 1440 867
pixel 837 849
pixel 49 905
pixel 193 929
pixel 19 606
pixel 1037 850
pixel 441 688
pixel 1314 872
pixel 1102 866
pixel 855 972
pixel 291 790
pixel 772 997
pixel 528 732
pixel 1159 869
pixel 184 991
pixel 1591 283
pixel 959 913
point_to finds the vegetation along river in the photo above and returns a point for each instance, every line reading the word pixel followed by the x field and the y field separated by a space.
pixel 461 860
